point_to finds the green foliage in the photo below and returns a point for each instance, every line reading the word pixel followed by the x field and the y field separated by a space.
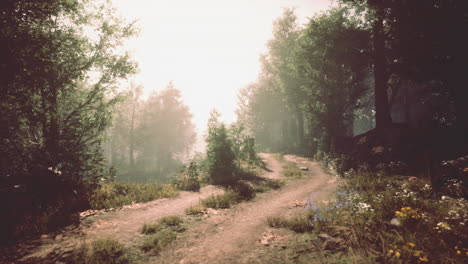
pixel 151 228
pixel 298 224
pixel 195 210
pixel 221 201
pixel 156 242
pixel 188 178
pixel 392 219
pixel 104 251
pixel 161 234
pixel 114 194
pixel 58 93
pixel 290 170
pixel 220 156
pixel 171 221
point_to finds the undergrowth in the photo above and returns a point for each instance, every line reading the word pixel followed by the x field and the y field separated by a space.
pixel 114 194
pixel 104 251
pixel 388 219
pixel 290 170
pixel 160 234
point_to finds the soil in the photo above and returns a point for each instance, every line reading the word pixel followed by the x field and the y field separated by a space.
pixel 236 235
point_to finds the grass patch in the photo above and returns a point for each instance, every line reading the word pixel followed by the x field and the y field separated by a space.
pixel 298 224
pixel 156 242
pixel 267 185
pixel 195 210
pixel 220 201
pixel 114 194
pixel 390 219
pixel 103 251
pixel 172 220
pixel 161 233
pixel 290 170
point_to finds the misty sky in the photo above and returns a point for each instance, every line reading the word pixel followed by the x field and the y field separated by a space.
pixel 209 48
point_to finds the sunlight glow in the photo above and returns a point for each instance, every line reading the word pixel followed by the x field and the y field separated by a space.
pixel 209 48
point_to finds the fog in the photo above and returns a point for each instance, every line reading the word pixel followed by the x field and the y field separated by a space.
pixel 209 48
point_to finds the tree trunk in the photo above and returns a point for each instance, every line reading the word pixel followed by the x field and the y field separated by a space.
pixel 52 130
pixel 382 113
pixel 131 147
pixel 300 130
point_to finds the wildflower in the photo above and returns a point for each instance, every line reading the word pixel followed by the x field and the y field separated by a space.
pixel 397 254
pixel 458 252
pixel 417 253
pixel 411 244
pixel 390 251
pixel 423 259
pixel 443 225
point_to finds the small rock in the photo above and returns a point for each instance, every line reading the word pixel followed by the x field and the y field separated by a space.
pixel 303 168
pixel 395 222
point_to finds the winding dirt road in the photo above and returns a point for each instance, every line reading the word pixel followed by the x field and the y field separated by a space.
pixel 232 235
pixel 226 236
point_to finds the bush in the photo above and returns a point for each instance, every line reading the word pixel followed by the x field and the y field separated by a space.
pixel 220 155
pixel 188 178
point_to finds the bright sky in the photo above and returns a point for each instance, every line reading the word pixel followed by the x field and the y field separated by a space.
pixel 209 48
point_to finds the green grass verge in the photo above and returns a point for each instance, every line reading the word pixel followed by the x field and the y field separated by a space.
pixel 387 219
pixel 160 234
pixel 290 170
pixel 104 251
pixel 114 195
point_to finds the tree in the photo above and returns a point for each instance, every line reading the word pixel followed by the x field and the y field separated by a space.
pixel 165 132
pixel 220 156
pixel 333 66
pixel 62 63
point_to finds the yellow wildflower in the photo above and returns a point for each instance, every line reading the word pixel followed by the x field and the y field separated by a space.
pixel 397 254
pixel 458 252
pixel 390 251
pixel 417 253
pixel 411 244
pixel 423 259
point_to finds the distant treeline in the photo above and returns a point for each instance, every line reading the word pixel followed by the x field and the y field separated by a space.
pixel 150 138
pixel 394 69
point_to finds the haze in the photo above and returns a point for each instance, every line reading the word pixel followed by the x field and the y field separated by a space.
pixel 209 48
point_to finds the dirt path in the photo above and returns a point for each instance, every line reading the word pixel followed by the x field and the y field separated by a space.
pixel 229 236
pixel 122 225
pixel 232 235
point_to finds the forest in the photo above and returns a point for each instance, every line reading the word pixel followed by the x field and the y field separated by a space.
pixel 373 90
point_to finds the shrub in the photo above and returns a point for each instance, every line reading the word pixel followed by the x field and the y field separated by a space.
pixel 188 178
pixel 220 155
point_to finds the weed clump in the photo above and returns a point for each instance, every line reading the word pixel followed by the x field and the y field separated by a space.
pixel 161 233
pixel 290 170
pixel 114 194
pixel 102 251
